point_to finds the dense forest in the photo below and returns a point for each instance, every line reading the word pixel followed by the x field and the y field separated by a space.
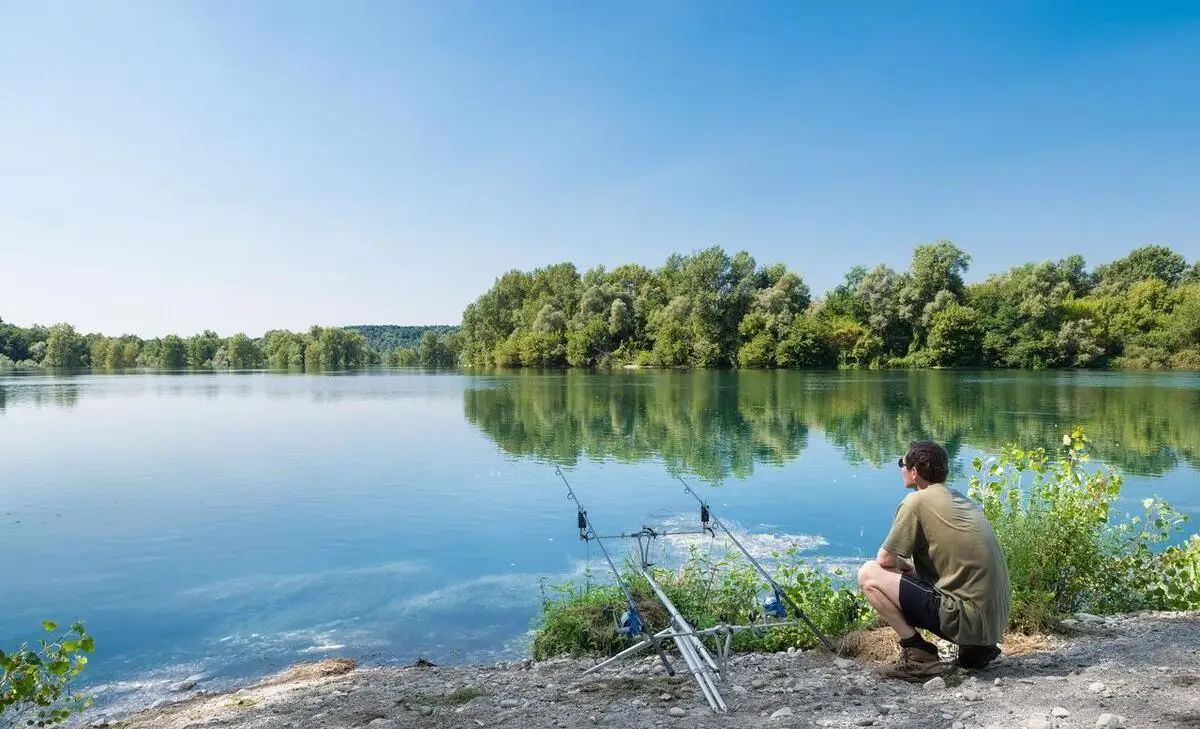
pixel 62 347
pixel 710 309
pixel 390 337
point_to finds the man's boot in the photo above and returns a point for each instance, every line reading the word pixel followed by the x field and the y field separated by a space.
pixel 977 656
pixel 916 664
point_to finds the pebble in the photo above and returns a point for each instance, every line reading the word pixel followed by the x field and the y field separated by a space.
pixel 844 663
pixel 1096 687
pixel 886 709
pixel 958 725
pixel 426 711
pixel 865 721
pixel 593 719
pixel 384 723
pixel 1110 721
pixel 187 685
pixel 1037 722
pixel 666 697
pixel 676 711
pixel 972 696
pixel 740 690
pixel 935 684
pixel 509 704
pixel 758 683
pixel 781 713
pixel 998 682
pixel 1060 712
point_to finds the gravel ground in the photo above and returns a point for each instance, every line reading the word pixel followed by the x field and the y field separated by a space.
pixel 1131 671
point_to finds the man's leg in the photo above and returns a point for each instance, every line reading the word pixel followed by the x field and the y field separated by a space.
pixel 918 658
pixel 881 587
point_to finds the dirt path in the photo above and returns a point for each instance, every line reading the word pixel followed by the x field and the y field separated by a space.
pixel 1143 669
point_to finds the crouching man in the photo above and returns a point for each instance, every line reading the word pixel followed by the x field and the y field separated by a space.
pixel 940 569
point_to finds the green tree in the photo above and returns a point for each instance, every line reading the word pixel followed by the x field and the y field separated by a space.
pixel 201 348
pixel 956 337
pixel 65 348
pixel 242 353
pixel 173 353
pixel 1149 262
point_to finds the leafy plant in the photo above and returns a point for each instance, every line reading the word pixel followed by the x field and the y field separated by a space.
pixel 1068 549
pixel 580 619
pixel 35 685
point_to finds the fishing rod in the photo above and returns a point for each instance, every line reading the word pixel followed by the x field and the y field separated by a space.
pixel 631 622
pixel 776 606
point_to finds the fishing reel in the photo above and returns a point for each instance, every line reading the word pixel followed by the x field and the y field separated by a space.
pixel 775 607
pixel 630 623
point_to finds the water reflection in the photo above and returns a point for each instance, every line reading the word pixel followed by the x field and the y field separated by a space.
pixel 720 424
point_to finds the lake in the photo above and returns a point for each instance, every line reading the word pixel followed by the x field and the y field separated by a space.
pixel 227 525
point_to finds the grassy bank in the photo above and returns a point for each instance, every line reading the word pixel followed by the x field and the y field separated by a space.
pixel 1068 548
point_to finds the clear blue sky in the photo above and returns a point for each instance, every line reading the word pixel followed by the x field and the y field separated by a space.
pixel 174 165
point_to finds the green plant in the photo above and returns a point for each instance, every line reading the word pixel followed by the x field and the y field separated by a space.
pixel 35 685
pixel 580 619
pixel 1067 548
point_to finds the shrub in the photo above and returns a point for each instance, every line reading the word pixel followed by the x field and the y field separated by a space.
pixel 581 619
pixel 1067 549
pixel 38 682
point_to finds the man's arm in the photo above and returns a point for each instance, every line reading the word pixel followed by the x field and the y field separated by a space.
pixel 894 562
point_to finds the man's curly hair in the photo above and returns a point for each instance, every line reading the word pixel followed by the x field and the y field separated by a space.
pixel 930 460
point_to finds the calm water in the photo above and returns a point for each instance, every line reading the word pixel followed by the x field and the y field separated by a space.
pixel 225 526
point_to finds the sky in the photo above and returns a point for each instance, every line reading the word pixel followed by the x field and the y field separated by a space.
pixel 243 166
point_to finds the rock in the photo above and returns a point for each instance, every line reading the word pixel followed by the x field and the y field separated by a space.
pixel 998 682
pixel 638 703
pixel 426 711
pixel 740 690
pixel 1096 687
pixel 593 719
pixel 844 663
pixel 385 723
pixel 509 704
pixel 758 683
pixel 1060 712
pixel 935 684
pixel 781 714
pixel 970 695
pixel 1038 722
pixel 958 725
pixel 666 697
pixel 185 685
pixel 865 721
pixel 676 712
pixel 1110 721
pixel 886 709
pixel 791 649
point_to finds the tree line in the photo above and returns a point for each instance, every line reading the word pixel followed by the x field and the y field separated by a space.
pixel 62 347
pixel 710 309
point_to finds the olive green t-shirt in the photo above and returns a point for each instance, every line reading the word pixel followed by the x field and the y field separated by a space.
pixel 954 548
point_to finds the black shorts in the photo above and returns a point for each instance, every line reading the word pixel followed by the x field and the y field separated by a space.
pixel 921 604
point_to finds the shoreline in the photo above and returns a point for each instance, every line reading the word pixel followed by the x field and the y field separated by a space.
pixel 1142 667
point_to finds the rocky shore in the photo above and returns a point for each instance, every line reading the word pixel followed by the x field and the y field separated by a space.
pixel 1128 671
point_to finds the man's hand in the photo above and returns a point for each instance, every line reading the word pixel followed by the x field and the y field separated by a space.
pixel 893 562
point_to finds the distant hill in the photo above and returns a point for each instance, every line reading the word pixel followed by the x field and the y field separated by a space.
pixel 384 338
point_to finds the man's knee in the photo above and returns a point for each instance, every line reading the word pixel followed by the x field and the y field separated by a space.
pixel 866 573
